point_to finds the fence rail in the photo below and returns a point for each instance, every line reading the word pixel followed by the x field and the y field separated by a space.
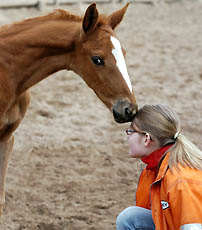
pixel 19 3
pixel 37 3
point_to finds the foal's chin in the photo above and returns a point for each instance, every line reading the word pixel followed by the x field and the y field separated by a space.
pixel 124 111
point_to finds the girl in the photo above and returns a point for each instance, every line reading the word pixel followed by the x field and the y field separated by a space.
pixel 169 193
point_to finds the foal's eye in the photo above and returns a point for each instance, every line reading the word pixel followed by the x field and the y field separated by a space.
pixel 97 60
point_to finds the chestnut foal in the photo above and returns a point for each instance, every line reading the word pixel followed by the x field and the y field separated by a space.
pixel 33 49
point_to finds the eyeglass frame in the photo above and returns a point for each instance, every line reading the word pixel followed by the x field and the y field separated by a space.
pixel 130 131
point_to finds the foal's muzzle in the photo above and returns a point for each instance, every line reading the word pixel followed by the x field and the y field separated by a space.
pixel 124 111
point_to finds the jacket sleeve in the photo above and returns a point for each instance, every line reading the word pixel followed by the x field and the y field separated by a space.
pixel 185 200
pixel 147 177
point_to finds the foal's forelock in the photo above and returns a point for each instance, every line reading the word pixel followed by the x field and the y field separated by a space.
pixel 120 61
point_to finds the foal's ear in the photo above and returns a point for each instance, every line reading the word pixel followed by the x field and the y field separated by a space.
pixel 115 18
pixel 90 18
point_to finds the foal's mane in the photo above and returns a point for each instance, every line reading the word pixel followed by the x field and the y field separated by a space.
pixel 58 14
pixel 15 28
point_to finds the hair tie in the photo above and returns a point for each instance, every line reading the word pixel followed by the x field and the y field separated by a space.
pixel 177 135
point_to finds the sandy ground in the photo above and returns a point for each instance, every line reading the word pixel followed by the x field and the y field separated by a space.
pixel 70 168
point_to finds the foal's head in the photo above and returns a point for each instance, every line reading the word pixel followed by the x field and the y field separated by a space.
pixel 100 62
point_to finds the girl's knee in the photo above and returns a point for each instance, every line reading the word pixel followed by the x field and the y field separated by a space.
pixel 124 218
pixel 133 218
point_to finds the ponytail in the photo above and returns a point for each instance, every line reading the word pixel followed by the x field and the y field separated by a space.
pixel 184 152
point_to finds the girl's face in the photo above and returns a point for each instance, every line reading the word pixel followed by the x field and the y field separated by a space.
pixel 140 143
pixel 136 142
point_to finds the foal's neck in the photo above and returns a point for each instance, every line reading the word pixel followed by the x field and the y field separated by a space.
pixel 39 50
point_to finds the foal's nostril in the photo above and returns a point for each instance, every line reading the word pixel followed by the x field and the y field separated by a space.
pixel 128 114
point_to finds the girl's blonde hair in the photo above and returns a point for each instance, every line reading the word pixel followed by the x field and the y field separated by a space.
pixel 162 123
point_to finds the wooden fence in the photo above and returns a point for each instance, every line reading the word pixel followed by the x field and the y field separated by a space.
pixel 37 3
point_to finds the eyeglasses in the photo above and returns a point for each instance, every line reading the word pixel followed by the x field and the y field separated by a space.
pixel 130 131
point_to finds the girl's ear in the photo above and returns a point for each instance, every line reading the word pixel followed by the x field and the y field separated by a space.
pixel 147 139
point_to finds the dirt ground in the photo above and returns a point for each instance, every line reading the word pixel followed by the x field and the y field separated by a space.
pixel 70 168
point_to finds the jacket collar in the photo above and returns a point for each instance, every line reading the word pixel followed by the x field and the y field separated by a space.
pixel 152 160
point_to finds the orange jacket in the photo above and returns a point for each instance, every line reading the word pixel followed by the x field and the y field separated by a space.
pixel 175 197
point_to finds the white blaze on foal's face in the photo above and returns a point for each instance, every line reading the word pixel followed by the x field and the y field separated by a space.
pixel 120 61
